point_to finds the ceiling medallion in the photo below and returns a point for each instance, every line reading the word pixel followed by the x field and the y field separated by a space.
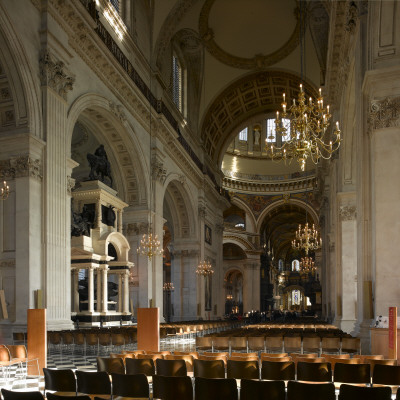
pixel 259 61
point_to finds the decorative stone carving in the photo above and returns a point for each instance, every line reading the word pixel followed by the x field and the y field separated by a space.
pixel 202 211
pixel 182 179
pixel 53 74
pixel 384 113
pixel 7 263
pixel 286 197
pixel 70 184
pixel 118 111
pixel 219 228
pixel 347 213
pixel 352 17
pixel 158 171
pixel 23 166
pixel 259 61
pixel 136 228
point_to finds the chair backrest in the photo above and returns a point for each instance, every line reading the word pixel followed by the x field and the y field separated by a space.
pixel 292 342
pixel 364 358
pixel 373 363
pixel 239 342
pixel 111 365
pixel 221 342
pixel 350 392
pixel 276 370
pixel 104 339
pixel 195 354
pixel 172 387
pixel 275 359
pixel 130 385
pixel 311 343
pixel 314 372
pixel 13 395
pixel 60 380
pixel 352 373
pixel 310 359
pixel 351 344
pixel 243 358
pixel 4 353
pixel 216 353
pixel 209 368
pixel 259 390
pixel 162 353
pixel 310 391
pixel 153 357
pixel 187 358
pixel 238 354
pixel 330 344
pixel 215 389
pixel 140 366
pixel 118 339
pixel 93 382
pixel 256 342
pixel 242 369
pixel 18 351
pixel 210 358
pixel 171 367
pixel 274 342
pixel 276 355
pixel 203 342
pixel 386 374
pixel 54 396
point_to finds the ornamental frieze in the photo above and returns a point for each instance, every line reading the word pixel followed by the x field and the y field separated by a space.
pixel 384 113
pixel 159 173
pixel 20 167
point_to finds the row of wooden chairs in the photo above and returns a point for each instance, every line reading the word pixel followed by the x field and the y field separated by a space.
pixel 181 388
pixel 280 343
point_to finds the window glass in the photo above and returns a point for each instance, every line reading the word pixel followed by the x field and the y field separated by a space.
pixel 271 131
pixel 243 135
pixel 177 83
pixel 286 125
pixel 295 265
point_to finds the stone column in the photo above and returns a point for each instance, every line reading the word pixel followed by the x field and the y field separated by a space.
pixel 75 291
pixel 104 285
pixel 99 292
pixel 120 291
pixel 90 290
pixel 56 83
pixel 348 237
pixel 125 280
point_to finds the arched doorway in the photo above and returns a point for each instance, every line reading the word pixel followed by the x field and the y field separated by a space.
pixel 234 293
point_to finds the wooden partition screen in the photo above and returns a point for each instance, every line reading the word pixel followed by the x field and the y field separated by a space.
pixel 148 329
pixel 37 340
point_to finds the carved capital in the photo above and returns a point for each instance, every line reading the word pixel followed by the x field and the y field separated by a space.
pixel 136 228
pixel 202 211
pixel 7 263
pixel 53 74
pixel 158 171
pixel 352 17
pixel 21 166
pixel 219 228
pixel 347 213
pixel 384 113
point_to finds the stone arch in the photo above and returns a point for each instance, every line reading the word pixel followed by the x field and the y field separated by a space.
pixel 112 127
pixel 180 205
pixel 254 94
pixel 239 241
pixel 301 204
pixel 243 205
pixel 19 93
pixel 120 243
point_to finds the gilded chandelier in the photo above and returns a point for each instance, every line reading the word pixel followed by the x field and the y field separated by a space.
pixel 168 287
pixel 307 132
pixel 307 264
pixel 204 268
pixel 307 239
pixel 149 246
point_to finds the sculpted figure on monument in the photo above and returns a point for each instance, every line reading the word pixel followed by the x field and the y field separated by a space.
pixel 99 165
pixel 81 223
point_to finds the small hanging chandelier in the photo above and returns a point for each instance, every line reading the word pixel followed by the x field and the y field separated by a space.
pixel 5 191
pixel 168 287
pixel 305 129
pixel 149 246
pixel 204 268
pixel 307 239
pixel 307 265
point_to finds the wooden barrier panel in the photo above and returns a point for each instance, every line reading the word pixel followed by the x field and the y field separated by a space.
pixel 37 340
pixel 148 329
pixel 393 332
pixel 380 342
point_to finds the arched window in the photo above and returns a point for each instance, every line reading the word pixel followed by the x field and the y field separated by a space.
pixel 177 83
pixel 272 136
pixel 296 297
pixel 280 265
pixel 295 265
pixel 243 135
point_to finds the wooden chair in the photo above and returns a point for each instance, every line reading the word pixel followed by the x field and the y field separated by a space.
pixel 312 344
pixel 274 344
pixel 278 359
pixel 314 372
pixel 292 343
pixel 221 343
pixel 242 369
pixel 110 365
pixel 61 381
pixel 129 386
pixel 352 373
pixel 351 345
pixel 220 357
pixel 203 343
pixel 276 370
pixel 208 368
pixel 171 367
pixel 187 358
pixel 243 358
pixel 373 363
pixel 386 375
pixel 310 391
pixel 14 395
pixel 19 354
pixel 238 343
pixel 330 345
pixel 53 396
pixel 93 383
pixel 172 387
pixel 136 366
pixel 215 389
pixel 195 354
pixel 262 390
pixel 275 355
pixel 238 354
pixel 256 343
pixel 351 392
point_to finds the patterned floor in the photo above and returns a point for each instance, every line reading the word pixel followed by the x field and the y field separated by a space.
pixel 82 359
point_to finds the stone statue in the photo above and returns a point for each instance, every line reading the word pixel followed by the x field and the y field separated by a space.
pixel 99 165
pixel 81 223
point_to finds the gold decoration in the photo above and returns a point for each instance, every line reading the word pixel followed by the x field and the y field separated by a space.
pixel 204 268
pixel 149 246
pixel 307 264
pixel 5 191
pixel 307 132
pixel 307 239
